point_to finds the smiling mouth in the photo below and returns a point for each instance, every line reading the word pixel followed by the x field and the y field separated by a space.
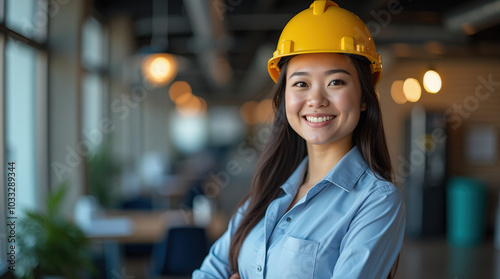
pixel 319 119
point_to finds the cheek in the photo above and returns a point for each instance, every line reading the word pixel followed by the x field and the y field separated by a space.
pixel 293 104
pixel 348 101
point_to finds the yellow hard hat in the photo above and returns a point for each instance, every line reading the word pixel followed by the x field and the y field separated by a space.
pixel 326 28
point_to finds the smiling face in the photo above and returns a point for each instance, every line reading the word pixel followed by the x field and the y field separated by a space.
pixel 323 98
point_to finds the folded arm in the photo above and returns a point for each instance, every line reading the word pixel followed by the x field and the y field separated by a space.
pixel 374 238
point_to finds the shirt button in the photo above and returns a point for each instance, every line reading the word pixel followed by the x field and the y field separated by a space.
pixel 288 219
pixel 259 268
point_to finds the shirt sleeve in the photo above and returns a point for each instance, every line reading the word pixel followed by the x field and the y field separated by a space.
pixel 374 237
pixel 216 264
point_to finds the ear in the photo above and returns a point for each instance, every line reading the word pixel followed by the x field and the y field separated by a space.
pixel 363 106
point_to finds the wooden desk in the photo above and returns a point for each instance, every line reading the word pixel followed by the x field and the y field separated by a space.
pixel 146 226
pixel 152 226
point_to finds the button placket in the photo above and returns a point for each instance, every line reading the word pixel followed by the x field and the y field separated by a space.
pixel 261 259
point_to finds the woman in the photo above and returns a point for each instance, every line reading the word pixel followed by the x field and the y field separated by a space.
pixel 321 204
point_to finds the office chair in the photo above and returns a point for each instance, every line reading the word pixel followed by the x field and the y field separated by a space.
pixel 137 250
pixel 137 203
pixel 180 253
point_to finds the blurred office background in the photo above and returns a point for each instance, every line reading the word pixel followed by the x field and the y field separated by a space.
pixel 151 115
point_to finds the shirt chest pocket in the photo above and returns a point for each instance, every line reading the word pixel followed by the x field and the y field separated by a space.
pixel 297 258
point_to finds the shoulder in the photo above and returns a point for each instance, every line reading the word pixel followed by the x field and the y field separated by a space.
pixel 371 186
pixel 240 212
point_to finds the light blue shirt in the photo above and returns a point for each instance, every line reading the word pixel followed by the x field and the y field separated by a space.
pixel 348 225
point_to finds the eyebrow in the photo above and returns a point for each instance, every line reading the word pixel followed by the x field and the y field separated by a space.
pixel 327 73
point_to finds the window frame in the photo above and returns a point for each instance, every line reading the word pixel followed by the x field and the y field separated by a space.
pixel 102 71
pixel 41 119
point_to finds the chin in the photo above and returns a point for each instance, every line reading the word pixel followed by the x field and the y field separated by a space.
pixel 328 140
pixel 317 141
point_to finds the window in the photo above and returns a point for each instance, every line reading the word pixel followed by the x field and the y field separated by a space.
pixel 20 116
pixel 29 17
pixel 92 103
pixel 23 98
pixel 190 133
pixel 95 77
pixel 93 45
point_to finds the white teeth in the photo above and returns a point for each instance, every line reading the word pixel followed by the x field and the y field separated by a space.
pixel 319 119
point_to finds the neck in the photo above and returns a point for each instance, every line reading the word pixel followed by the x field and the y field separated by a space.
pixel 322 158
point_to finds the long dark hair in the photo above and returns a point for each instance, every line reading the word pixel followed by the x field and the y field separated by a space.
pixel 286 149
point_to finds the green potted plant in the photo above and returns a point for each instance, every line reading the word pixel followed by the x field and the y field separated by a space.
pixel 101 169
pixel 50 245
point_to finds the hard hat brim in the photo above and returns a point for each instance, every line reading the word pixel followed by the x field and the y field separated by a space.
pixel 274 70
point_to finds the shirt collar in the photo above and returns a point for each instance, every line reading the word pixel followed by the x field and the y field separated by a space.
pixel 344 175
pixel 291 185
pixel 348 170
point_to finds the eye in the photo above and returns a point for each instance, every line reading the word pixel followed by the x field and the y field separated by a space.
pixel 336 82
pixel 300 84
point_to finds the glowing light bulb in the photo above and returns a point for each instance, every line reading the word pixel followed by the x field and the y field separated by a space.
pixel 432 81
pixel 412 89
pixel 397 93
pixel 159 69
pixel 189 105
pixel 178 89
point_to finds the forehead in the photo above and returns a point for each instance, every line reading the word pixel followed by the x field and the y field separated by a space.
pixel 319 62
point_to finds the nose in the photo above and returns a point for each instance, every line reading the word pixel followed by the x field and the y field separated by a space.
pixel 317 98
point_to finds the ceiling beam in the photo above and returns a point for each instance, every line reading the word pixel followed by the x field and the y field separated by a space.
pixel 474 17
pixel 181 25
pixel 209 42
pixel 416 34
